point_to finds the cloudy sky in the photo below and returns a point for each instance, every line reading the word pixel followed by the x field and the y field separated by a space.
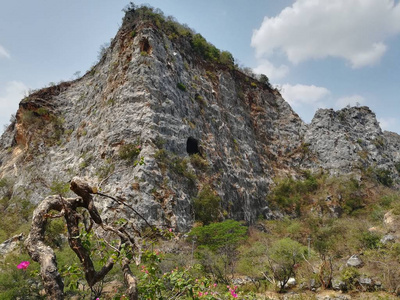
pixel 320 53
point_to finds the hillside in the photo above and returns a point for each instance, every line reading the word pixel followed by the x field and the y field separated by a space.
pixel 172 128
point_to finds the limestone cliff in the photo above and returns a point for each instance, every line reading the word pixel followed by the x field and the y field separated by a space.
pixel 351 140
pixel 133 121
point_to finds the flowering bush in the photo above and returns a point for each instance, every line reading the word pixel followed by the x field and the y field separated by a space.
pixel 178 283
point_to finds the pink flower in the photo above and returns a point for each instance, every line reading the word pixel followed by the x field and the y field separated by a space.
pixel 170 230
pixel 23 265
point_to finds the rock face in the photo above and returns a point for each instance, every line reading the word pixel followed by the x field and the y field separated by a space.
pixel 351 139
pixel 133 123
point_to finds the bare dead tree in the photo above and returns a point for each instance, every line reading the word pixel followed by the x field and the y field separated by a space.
pixel 45 256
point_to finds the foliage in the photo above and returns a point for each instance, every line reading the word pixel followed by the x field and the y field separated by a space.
pixel 226 58
pixel 178 283
pixel 181 86
pixel 289 193
pixel 199 162
pixel 19 278
pixel 383 176
pixel 16 211
pixel 178 165
pixel 284 257
pixel 207 205
pixel 220 237
pixel 397 166
pixel 201 46
pixel 130 151
pixel 59 188
pixel 175 31
pixel 370 240
pixel 349 276
pixel 217 247
pixel 264 79
pixel 351 191
pixel 42 124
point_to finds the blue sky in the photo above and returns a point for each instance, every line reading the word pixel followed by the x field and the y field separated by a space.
pixel 320 53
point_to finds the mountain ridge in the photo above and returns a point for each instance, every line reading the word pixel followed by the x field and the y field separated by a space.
pixel 156 86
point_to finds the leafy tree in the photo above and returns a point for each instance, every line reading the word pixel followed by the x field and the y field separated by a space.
pixel 226 58
pixel 283 259
pixel 207 205
pixel 264 79
pixel 222 239
pixel 224 236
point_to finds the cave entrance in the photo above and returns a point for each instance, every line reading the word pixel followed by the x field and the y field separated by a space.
pixel 192 146
pixel 145 46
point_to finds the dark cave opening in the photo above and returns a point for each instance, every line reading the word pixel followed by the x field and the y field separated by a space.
pixel 192 146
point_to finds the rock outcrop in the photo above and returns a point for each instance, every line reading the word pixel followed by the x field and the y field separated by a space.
pixel 350 139
pixel 131 124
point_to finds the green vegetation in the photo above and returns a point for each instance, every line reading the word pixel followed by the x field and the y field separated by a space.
pixel 290 194
pixel 175 31
pixel 217 245
pixel 177 165
pixel 130 151
pixel 181 86
pixel 16 211
pixel 207 205
pixel 19 283
pixel 199 163
pixel 42 125
pixel 283 258
pixel 215 253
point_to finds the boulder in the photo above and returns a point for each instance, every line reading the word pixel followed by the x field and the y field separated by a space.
pixel 388 239
pixel 354 261
pixel 10 244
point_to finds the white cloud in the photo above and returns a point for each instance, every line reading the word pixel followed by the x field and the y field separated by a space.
pixel 300 95
pixel 267 68
pixel 9 100
pixel 388 123
pixel 3 52
pixel 353 100
pixel 314 29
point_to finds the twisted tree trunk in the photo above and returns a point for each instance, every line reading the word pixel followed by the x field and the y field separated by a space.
pixel 44 255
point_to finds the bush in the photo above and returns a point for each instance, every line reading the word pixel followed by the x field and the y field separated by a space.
pixel 207 205
pixel 19 283
pixel 207 50
pixel 370 240
pixel 220 237
pixel 198 162
pixel 289 192
pixel 217 246
pixel 181 86
pixel 226 58
pixel 350 276
pixel 129 152
pixel 284 257
pixel 384 176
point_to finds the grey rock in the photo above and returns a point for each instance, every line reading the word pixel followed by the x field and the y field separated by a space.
pixel 389 238
pixel 367 284
pixel 354 261
pixel 10 244
pixel 338 284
